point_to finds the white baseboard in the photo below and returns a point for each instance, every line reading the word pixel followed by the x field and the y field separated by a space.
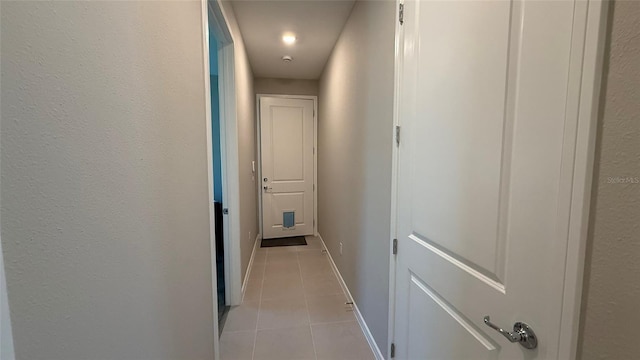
pixel 363 324
pixel 250 266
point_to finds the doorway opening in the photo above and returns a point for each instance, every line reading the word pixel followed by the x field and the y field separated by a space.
pixel 218 199
pixel 287 140
pixel 222 162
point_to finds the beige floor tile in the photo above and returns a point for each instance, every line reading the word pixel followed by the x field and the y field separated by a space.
pixel 281 249
pixel 279 268
pixel 292 248
pixel 257 272
pixel 310 258
pixel 282 256
pixel 287 288
pixel 282 286
pixel 260 256
pixel 313 243
pixel 329 308
pixel 237 345
pixel 340 341
pixel 283 344
pixel 312 255
pixel 301 247
pixel 314 267
pixel 242 317
pixel 322 284
pixel 283 313
pixel 253 290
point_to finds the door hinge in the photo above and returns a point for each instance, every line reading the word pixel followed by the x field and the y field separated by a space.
pixel 395 246
pixel 401 15
pixel 397 135
pixel 393 350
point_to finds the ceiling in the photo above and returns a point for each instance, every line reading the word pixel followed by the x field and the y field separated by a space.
pixel 315 23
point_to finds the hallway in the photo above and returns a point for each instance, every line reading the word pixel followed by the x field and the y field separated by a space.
pixel 293 308
pixel 476 170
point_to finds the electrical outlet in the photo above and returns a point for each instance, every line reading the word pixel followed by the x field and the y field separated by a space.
pixel 340 248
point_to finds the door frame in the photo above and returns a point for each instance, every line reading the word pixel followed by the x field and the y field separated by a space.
pixel 228 150
pixel 214 17
pixel 315 153
pixel 585 78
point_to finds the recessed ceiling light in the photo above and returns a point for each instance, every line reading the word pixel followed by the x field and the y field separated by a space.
pixel 289 39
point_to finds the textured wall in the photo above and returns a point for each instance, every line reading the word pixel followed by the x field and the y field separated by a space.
pixel 612 278
pixel 105 225
pixel 246 114
pixel 285 86
pixel 354 157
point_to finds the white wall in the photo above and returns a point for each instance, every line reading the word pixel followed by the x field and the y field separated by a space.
pixel 104 214
pixel 286 86
pixel 245 112
pixel 354 157
pixel 612 274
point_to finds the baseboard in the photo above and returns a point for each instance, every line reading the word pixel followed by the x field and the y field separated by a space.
pixel 250 266
pixel 363 324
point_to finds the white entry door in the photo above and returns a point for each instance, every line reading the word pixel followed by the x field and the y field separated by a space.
pixel 287 136
pixel 488 108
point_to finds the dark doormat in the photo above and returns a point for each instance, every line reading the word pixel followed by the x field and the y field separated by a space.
pixel 288 241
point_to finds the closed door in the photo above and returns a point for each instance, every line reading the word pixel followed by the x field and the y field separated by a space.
pixel 287 136
pixel 487 113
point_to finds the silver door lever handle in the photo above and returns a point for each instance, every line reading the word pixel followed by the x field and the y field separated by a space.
pixel 522 333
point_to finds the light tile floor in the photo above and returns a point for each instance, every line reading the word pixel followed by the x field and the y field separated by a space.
pixel 293 308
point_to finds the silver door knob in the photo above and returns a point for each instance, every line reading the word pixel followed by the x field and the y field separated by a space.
pixel 522 333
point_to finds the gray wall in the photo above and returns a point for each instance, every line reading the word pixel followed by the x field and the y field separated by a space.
pixel 354 157
pixel 105 225
pixel 245 112
pixel 612 278
pixel 286 86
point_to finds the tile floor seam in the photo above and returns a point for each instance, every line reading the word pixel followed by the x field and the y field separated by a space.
pixel 255 337
pixel 335 322
pixel 306 303
pixel 238 331
pixel 284 327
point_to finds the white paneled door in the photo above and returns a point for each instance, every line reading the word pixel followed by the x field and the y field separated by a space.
pixel 488 109
pixel 287 147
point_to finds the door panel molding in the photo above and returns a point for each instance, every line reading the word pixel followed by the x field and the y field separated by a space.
pixel 463 264
pixel 499 48
pixel 462 320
